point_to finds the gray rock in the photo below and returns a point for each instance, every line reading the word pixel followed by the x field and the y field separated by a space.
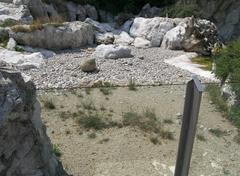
pixel 25 146
pixel 141 43
pixel 88 65
pixel 112 52
pixel 99 27
pixel 104 38
pixel 91 12
pixel 123 39
pixel 69 35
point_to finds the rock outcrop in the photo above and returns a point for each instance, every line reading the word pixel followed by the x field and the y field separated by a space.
pixel 225 14
pixel 22 60
pixel 50 36
pixel 25 149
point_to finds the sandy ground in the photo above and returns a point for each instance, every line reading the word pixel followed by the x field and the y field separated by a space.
pixel 129 151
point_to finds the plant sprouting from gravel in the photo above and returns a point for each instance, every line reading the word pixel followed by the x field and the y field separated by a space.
pixel 217 132
pixel 92 135
pixel 132 85
pixel 147 122
pixel 57 151
pixel 48 104
pixel 201 137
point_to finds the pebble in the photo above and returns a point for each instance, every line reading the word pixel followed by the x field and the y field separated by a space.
pixel 146 67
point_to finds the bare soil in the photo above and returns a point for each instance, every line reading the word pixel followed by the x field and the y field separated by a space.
pixel 128 151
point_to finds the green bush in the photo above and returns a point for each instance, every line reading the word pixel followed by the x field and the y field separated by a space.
pixel 228 64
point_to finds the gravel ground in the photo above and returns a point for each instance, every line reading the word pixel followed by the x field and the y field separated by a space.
pixel 63 71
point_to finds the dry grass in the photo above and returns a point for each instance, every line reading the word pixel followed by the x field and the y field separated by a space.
pixel 39 24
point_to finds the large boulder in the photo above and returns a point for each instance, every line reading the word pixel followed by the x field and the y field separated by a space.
pixel 22 60
pixel 25 146
pixel 123 39
pixel 174 38
pixel 192 35
pixel 152 29
pixel 49 36
pixel 112 52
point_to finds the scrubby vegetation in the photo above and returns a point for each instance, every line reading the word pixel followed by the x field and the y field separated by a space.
pixel 56 150
pixel 147 121
pixel 227 69
pixel 48 104
pixel 205 62
pixel 181 11
pixel 133 6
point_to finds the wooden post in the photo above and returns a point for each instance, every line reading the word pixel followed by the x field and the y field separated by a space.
pixel 189 126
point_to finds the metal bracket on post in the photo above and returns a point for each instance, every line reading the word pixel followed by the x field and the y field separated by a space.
pixel 189 126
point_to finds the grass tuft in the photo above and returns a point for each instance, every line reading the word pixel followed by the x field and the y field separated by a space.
pixel 57 151
pixel 217 132
pixel 132 85
pixel 48 104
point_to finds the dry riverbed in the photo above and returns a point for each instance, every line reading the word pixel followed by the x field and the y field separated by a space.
pixel 123 149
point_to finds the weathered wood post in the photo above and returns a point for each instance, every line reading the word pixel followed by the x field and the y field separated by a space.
pixel 189 126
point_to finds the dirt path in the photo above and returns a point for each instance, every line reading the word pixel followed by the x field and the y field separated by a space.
pixel 129 151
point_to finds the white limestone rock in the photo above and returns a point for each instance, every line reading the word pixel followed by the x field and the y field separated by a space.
pixel 112 52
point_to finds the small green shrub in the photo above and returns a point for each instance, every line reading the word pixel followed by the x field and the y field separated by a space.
pixel 88 105
pixel 92 135
pixel 48 104
pixel 19 49
pixel 104 140
pixel 105 90
pixel 216 97
pixel 205 62
pixel 217 132
pixel 181 11
pixel 132 85
pixel 92 121
pixel 168 121
pixel 154 140
pixel 147 121
pixel 201 137
pixel 56 150
pixel 8 23
pixel 165 134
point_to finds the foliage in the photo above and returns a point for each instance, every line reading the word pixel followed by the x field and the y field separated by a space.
pixel 217 132
pixel 56 150
pixel 205 62
pixel 8 23
pixel 48 104
pixel 228 62
pixel 180 11
pixel 216 97
pixel 132 85
pixel 131 6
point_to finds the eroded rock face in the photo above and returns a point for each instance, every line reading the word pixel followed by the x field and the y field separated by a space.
pixel 25 149
pixel 68 35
